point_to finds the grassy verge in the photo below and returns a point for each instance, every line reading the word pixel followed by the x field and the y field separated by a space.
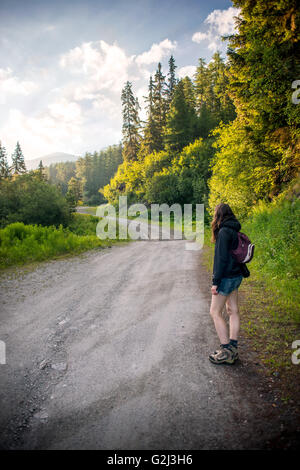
pixel 21 244
pixel 91 210
pixel 270 297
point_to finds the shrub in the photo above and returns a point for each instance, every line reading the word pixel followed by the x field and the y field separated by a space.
pixel 274 228
pixel 30 200
pixel 21 243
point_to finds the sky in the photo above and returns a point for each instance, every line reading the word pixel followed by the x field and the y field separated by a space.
pixel 64 64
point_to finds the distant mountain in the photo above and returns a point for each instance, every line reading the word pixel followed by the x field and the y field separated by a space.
pixel 56 157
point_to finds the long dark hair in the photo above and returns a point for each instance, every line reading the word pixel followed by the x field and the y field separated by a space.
pixel 222 213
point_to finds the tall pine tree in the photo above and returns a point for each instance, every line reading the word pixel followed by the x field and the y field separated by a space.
pixel 131 123
pixel 18 162
pixel 172 81
pixel 159 107
pixel 201 81
pixel 41 172
pixel 151 135
pixel 180 125
pixel 4 167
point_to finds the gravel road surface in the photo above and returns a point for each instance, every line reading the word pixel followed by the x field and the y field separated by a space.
pixel 108 350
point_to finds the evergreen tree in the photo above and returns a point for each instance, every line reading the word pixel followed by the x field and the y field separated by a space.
pixel 221 89
pixel 179 129
pixel 264 61
pixel 4 167
pixel 41 171
pixel 131 123
pixel 74 194
pixel 95 170
pixel 203 99
pixel 201 80
pixel 220 103
pixel 172 81
pixel 215 68
pixel 151 138
pixel 18 162
pixel 60 173
pixel 189 92
pixel 212 100
pixel 159 107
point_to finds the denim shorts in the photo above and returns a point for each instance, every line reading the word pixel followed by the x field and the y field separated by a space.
pixel 229 284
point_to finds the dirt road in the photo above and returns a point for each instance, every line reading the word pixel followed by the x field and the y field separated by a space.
pixel 108 350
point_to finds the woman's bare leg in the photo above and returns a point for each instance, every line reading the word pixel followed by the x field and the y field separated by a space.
pixel 217 305
pixel 233 313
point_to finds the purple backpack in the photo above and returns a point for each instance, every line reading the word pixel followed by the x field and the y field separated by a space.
pixel 245 250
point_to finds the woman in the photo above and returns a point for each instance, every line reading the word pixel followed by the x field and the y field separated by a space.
pixel 227 277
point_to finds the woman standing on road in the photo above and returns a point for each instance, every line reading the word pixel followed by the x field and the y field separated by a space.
pixel 227 277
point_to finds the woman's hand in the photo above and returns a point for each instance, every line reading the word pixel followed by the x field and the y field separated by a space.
pixel 214 290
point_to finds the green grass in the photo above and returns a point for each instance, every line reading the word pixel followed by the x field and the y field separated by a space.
pixel 21 244
pixel 91 210
pixel 83 224
pixel 275 230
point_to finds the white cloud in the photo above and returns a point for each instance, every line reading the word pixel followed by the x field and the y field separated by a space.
pixel 223 20
pixel 99 72
pixel 49 28
pixel 156 52
pixel 214 41
pixel 78 107
pixel 107 107
pixel 57 127
pixel 107 67
pixel 221 23
pixel 10 84
pixel 198 37
pixel 188 70
pixel 104 66
pixel 214 44
pixel 64 111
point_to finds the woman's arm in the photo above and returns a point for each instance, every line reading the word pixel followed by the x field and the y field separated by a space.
pixel 222 254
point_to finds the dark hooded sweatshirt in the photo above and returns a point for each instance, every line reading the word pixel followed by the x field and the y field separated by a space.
pixel 224 263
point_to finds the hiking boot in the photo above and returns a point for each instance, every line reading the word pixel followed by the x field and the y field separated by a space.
pixel 234 352
pixel 224 355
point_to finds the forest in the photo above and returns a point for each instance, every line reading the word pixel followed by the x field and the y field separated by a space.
pixel 231 133
pixel 87 175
